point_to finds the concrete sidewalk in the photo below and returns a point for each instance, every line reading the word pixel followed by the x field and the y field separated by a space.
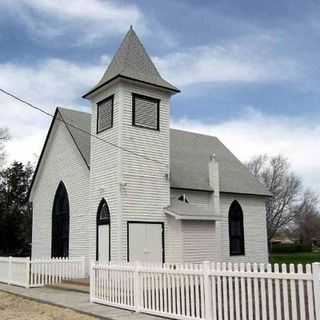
pixel 76 301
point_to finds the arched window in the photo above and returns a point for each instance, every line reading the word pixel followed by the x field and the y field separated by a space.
pixel 60 223
pixel 103 252
pixel 236 232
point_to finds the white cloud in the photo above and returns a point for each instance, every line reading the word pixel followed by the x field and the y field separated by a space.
pixel 48 84
pixel 247 59
pixel 256 133
pixel 86 19
pixel 26 148
pixel 58 82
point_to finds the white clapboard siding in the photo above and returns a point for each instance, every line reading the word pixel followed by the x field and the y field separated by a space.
pixel 61 161
pixel 134 187
pixel 104 173
pixel 147 189
pixel 219 291
pixel 254 222
pixel 199 198
pixel 203 234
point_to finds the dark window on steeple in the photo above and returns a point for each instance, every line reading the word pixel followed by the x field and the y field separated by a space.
pixel 145 112
pixel 236 232
pixel 105 114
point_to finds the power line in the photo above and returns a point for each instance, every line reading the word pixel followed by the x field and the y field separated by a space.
pixel 78 128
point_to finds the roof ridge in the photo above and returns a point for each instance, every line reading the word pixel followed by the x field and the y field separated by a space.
pixel 127 53
pixel 74 110
pixel 195 133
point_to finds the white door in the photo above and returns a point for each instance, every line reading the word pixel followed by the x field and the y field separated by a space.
pixel 145 242
pixel 103 244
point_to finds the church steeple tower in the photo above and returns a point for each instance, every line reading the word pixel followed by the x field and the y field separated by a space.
pixel 131 111
pixel 132 62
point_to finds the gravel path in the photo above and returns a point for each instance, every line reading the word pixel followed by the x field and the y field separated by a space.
pixel 14 307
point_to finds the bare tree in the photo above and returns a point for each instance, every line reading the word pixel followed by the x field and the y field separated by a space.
pixel 307 219
pixel 275 174
pixel 4 136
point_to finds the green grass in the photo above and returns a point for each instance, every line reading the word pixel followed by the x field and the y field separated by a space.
pixel 296 258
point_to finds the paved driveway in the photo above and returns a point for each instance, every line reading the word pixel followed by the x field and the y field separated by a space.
pixel 76 301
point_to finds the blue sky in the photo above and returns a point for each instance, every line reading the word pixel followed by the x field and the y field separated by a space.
pixel 249 71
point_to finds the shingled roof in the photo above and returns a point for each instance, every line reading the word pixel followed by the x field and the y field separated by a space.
pixel 131 61
pixel 189 157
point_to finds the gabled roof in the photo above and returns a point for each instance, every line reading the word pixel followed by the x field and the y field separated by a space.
pixel 185 211
pixel 81 120
pixel 189 157
pixel 132 62
pixel 80 138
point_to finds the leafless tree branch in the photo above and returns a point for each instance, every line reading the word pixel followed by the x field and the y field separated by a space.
pixel 275 174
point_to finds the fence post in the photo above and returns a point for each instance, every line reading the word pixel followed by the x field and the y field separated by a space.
pixel 10 270
pixel 92 281
pixel 207 290
pixel 316 287
pixel 83 266
pixel 27 273
pixel 137 288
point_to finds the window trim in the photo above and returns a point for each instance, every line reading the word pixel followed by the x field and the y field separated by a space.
pixel 98 105
pixel 157 101
pixel 241 237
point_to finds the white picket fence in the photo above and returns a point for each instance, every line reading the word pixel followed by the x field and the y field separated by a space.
pixel 210 290
pixel 40 272
pixel 51 271
pixel 14 271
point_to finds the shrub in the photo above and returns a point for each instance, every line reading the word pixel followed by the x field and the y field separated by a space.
pixel 290 248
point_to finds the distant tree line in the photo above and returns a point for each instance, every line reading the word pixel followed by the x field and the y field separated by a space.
pixel 292 210
pixel 15 210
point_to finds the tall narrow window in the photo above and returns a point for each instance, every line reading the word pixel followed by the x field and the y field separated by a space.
pixel 60 223
pixel 103 252
pixel 105 114
pixel 145 112
pixel 236 232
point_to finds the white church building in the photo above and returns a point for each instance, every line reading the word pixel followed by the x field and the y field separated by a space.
pixel 119 184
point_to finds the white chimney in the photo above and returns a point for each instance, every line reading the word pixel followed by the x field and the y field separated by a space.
pixel 214 182
pixel 214 202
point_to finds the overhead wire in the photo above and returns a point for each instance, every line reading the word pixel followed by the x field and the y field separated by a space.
pixel 80 129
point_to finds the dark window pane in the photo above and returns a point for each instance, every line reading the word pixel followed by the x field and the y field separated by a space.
pixel 103 214
pixel 236 230
pixel 236 245
pixel 60 223
pixel 146 112
pixel 105 114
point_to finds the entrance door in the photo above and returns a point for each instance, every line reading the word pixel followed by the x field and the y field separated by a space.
pixel 145 242
pixel 103 232
pixel 103 244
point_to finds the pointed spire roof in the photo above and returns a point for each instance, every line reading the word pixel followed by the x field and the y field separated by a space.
pixel 132 62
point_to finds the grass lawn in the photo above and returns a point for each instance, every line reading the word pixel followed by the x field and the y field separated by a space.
pixel 296 258
pixel 14 307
